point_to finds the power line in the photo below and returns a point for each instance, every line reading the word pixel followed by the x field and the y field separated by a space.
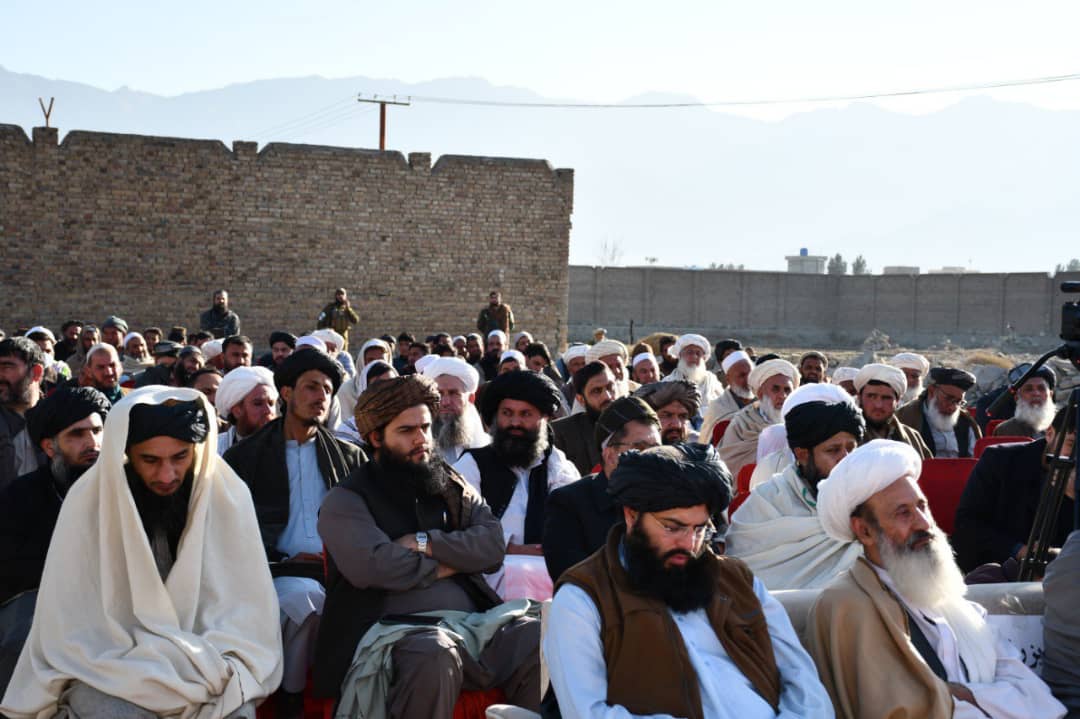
pixel 283 126
pixel 743 103
pixel 326 123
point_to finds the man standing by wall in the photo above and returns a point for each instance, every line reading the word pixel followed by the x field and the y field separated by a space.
pixel 496 316
pixel 339 316
pixel 219 319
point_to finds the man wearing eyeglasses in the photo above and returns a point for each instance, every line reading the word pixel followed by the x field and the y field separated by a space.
pixel 579 516
pixel 939 414
pixel 655 623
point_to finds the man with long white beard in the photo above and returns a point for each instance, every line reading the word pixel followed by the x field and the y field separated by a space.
pixel 878 388
pixel 1034 407
pixel 736 366
pixel 776 530
pixel 692 351
pixel 894 636
pixel 771 382
pixel 939 414
pixel 456 427
pixel 914 366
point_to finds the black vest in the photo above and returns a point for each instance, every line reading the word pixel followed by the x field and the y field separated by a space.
pixel 962 432
pixel 497 483
pixel 350 611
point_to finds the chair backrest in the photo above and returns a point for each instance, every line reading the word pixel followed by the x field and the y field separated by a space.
pixel 742 487
pixel 718 431
pixel 942 481
pixel 991 426
pixel 983 442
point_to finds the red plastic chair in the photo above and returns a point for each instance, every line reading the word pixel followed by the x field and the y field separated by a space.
pixel 942 481
pixel 718 431
pixel 983 442
pixel 742 488
pixel 991 426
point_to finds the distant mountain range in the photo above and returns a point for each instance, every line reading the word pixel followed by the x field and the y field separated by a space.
pixel 982 184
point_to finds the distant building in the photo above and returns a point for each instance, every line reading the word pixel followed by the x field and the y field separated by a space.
pixel 806 264
pixel 899 270
pixel 951 271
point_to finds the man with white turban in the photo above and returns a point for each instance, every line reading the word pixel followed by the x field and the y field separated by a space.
pixel 573 359
pixel 373 349
pixel 247 400
pixel 915 367
pixel 879 388
pixel 457 426
pixel 771 382
pixel 736 366
pixel 693 351
pixel 496 344
pixel 614 354
pixel 894 636
pixel 335 343
pixel 137 614
pixel 644 368
pixel 776 530
pixel 511 361
pixel 845 377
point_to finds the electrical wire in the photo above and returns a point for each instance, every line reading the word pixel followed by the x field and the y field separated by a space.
pixel 326 123
pixel 284 126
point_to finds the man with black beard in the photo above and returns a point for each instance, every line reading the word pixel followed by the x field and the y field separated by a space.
pixel 406 534
pixel 812 368
pixel 456 426
pixel 594 389
pixel 894 636
pixel 675 403
pixel 22 366
pixel 776 530
pixel 67 426
pixel 290 465
pixel 940 416
pixel 656 623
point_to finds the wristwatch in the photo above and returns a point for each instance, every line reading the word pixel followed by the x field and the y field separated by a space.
pixel 421 542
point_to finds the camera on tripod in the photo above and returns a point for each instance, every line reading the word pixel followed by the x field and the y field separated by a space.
pixel 1070 314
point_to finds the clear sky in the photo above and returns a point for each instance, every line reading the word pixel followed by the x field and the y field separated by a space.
pixel 589 51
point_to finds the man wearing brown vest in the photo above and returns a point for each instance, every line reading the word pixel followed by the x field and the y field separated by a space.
pixel 656 623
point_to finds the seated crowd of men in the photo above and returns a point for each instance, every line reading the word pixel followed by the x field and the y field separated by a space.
pixel 413 501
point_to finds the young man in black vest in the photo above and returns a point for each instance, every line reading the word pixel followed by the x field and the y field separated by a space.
pixel 405 534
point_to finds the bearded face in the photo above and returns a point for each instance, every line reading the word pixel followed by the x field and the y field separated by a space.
pixel 683 579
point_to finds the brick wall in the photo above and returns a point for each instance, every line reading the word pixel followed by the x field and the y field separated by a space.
pixel 147 227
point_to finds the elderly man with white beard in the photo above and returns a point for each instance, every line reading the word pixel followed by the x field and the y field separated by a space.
pixel 915 367
pixel 614 354
pixel 692 351
pixel 939 414
pixel 1034 407
pixel 771 381
pixel 736 366
pixel 457 426
pixel 645 369
pixel 894 636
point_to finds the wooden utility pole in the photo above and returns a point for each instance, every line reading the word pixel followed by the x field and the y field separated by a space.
pixel 48 111
pixel 383 102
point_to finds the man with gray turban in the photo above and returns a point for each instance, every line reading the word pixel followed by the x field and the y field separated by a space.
pixel 696 634
pixel 894 635
pixel 776 530
pixel 675 403
pixel 290 465
pixel 940 414
pixel 879 388
pixel 405 535
pixel 772 382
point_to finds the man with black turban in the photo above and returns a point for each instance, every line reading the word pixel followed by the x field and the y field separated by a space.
pixel 406 534
pixel 776 530
pixel 656 623
pixel 67 427
pixel 578 516
pixel 940 414
pixel 290 465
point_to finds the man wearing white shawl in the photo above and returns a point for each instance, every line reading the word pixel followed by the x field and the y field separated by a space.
pixel 776 530
pixel 692 351
pixel 894 636
pixel 736 366
pixel 183 626
pixel 457 426
pixel 772 382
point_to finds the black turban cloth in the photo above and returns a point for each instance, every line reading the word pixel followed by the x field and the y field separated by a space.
pixel 185 421
pixel 166 348
pixel 282 336
pixel 1047 374
pixel 303 361
pixel 953 377
pixel 811 423
pixel 671 476
pixel 63 408
pixel 524 386
pixel 620 412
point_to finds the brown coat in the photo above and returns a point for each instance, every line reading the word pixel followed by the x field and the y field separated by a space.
pixel 499 317
pixel 648 667
pixel 897 431
pixel 858 635
pixel 912 415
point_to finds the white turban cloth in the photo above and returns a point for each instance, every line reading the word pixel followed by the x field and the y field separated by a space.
pixel 910 360
pixel 311 341
pixel 199 644
pixel 454 367
pixel 424 361
pixel 497 333
pixel 603 348
pixel 859 476
pixel 844 374
pixel 892 376
pixel 575 351
pixel 238 383
pixel 774 436
pixel 211 349
pixel 40 330
pixel 513 355
pixel 329 336
pixel 736 356
pixel 643 357
pixel 375 342
pixel 692 339
pixel 770 368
